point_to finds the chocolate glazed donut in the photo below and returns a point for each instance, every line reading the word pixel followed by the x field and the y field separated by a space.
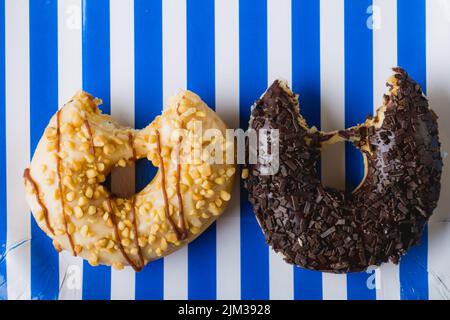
pixel 321 228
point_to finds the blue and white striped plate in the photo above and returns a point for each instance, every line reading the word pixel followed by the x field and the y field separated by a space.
pixel 134 54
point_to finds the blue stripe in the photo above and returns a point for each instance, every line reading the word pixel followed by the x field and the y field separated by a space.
pixel 252 83
pixel 358 104
pixel 3 208
pixel 412 56
pixel 306 82
pixel 43 104
pixel 148 105
pixel 96 80
pixel 201 80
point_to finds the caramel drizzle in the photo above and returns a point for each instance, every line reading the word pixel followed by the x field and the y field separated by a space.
pixel 113 217
pixel 184 232
pixel 119 240
pixel 136 238
pixel 28 178
pixel 131 143
pixel 178 189
pixel 163 185
pixel 133 207
pixel 58 171
pixel 91 137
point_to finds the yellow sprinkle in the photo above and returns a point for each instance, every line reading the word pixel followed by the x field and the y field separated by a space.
pixel 109 149
pixel 122 163
pixel 126 233
pixel 67 128
pixel 151 238
pixel 89 192
pixel 84 230
pixel 117 265
pixel 91 173
pixel 99 141
pixel 213 209
pixel 92 210
pixel 218 202
pixel 82 201
pixel 154 228
pixel 195 222
pixel 163 244
pixel 231 172
pixel 40 215
pixel 84 146
pixel 50 133
pixel 200 204
pixel 126 242
pixel 225 195
pixel 101 166
pixel 219 180
pixel 142 241
pixel 93 260
pixel 171 237
pixel 78 212
pixel 76 119
pixel 209 194
pixel 70 196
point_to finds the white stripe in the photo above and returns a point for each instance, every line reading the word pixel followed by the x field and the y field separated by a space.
pixel 122 109
pixel 332 78
pixel 438 80
pixel 69 81
pixel 69 49
pixel 384 14
pixel 334 286
pixel 174 47
pixel 384 46
pixel 17 145
pixel 279 65
pixel 279 40
pixel 174 78
pixel 227 106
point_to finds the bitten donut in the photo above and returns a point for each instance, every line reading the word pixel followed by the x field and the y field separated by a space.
pixel 80 147
pixel 321 228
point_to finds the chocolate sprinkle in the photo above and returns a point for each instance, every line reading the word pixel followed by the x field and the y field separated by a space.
pixel 321 228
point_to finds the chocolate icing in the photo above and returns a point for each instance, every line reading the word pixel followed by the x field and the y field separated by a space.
pixel 321 228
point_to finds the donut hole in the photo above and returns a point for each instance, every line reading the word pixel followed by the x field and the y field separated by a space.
pixel 145 173
pixel 354 167
pixel 334 175
pixel 126 181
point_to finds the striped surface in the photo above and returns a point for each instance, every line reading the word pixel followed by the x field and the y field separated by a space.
pixel 134 54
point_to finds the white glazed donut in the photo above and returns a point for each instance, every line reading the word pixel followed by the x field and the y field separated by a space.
pixel 79 149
